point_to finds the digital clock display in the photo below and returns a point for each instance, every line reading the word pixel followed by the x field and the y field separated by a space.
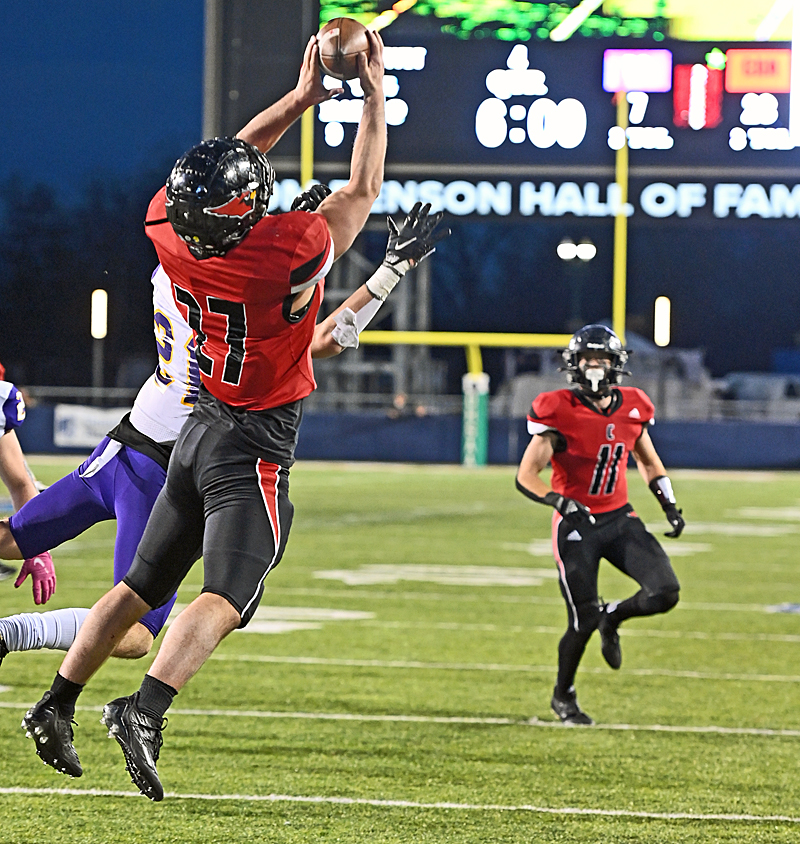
pixel 479 103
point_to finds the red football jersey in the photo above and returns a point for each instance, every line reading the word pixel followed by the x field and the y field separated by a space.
pixel 248 352
pixel 593 467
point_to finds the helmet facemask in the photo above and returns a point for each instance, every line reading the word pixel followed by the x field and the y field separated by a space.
pixel 595 342
pixel 595 381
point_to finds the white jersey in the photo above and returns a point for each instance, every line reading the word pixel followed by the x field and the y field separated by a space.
pixel 12 407
pixel 168 396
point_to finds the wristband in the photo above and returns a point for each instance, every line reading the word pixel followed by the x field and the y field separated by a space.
pixel 384 279
pixel 555 500
pixel 532 495
pixel 661 487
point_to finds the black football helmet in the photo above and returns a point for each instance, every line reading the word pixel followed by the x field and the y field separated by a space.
pixel 598 339
pixel 216 193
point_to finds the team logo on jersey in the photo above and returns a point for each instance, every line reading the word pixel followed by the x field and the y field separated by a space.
pixel 634 414
pixel 610 431
pixel 574 536
pixel 239 206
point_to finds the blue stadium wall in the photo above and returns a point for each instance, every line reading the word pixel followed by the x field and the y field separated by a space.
pixel 437 439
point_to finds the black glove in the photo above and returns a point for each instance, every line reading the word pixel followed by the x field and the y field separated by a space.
pixel 310 199
pixel 662 489
pixel 675 518
pixel 415 239
pixel 568 507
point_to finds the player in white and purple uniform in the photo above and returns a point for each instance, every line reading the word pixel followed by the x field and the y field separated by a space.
pixel 12 463
pixel 120 480
pixel 14 473
pixel 124 474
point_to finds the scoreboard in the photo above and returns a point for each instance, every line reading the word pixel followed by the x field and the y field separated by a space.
pixel 481 104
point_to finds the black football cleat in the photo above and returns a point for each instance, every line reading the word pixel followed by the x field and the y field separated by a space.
pixel 52 734
pixel 609 639
pixel 139 736
pixel 3 649
pixel 6 571
pixel 567 709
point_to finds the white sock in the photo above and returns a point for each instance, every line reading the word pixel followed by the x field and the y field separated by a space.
pixel 32 631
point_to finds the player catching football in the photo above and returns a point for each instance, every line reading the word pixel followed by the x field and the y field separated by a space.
pixel 587 433
pixel 250 284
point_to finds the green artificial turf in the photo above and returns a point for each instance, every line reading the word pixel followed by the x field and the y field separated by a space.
pixel 397 686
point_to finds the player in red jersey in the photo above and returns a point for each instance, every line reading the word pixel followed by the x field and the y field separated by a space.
pixel 587 433
pixel 250 286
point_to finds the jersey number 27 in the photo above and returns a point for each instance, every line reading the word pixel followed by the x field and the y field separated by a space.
pixel 234 336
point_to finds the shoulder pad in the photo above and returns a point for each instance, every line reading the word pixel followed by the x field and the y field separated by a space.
pixel 313 255
pixel 545 411
pixel 638 398
pixel 546 406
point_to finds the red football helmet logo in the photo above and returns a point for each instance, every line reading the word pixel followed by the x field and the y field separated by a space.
pixel 239 206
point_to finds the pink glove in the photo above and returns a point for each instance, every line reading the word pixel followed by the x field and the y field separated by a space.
pixel 43 577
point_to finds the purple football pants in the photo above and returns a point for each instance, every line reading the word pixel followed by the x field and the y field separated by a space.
pixel 116 482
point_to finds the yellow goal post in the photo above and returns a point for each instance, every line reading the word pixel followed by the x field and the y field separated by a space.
pixel 470 340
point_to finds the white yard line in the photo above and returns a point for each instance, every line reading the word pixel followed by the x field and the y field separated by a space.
pixel 528 669
pixel 472 596
pixel 413 804
pixel 692 729
pixel 628 632
pixel 475 596
pixel 414 665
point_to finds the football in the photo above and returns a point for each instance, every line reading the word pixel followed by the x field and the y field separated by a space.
pixel 340 42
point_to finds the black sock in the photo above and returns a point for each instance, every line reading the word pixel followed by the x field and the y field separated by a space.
pixel 66 694
pixel 155 697
pixel 624 609
pixel 570 651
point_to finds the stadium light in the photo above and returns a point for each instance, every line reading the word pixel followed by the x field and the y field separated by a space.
pixel 99 329
pixel 567 250
pixel 99 321
pixel 661 322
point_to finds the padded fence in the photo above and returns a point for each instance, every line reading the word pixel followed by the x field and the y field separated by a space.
pixel 437 439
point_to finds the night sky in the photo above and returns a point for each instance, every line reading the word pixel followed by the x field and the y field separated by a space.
pixel 97 87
